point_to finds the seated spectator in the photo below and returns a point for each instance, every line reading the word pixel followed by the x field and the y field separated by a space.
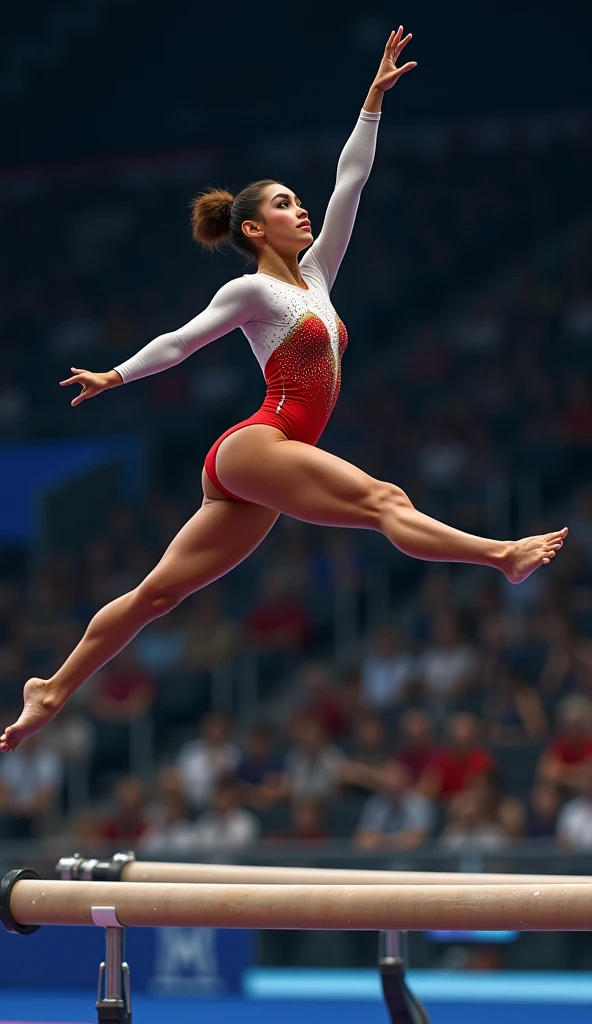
pixel 306 823
pixel 461 760
pixel 313 765
pixel 226 825
pixel 542 811
pixel 448 664
pixel 562 762
pixel 387 670
pixel 318 699
pixel 260 771
pixel 122 690
pixel 128 820
pixel 471 824
pixel 435 599
pixel 513 712
pixel 574 824
pixel 30 782
pixel 212 636
pixel 204 761
pixel 416 749
pixel 396 818
pixel 279 622
pixel 160 646
pixel 369 755
pixel 567 654
pixel 171 829
pixel 349 689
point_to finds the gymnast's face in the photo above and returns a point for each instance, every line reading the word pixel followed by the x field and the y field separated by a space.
pixel 283 223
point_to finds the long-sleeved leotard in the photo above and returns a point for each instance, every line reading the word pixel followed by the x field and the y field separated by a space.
pixel 294 332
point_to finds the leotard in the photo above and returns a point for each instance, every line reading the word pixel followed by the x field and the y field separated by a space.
pixel 295 332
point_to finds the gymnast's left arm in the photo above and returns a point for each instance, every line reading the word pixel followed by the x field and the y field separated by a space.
pixel 355 164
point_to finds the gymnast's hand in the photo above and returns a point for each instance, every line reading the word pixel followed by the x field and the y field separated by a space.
pixel 388 73
pixel 92 383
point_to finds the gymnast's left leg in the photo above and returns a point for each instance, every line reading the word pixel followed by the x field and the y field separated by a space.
pixel 259 463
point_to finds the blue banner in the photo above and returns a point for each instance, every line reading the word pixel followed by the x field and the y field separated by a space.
pixel 172 961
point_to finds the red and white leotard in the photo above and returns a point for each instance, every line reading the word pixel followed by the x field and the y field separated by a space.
pixel 294 332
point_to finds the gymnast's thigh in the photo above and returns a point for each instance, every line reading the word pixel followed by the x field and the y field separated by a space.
pixel 259 464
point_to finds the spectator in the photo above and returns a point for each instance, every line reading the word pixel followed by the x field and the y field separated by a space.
pixel 387 670
pixel 212 636
pixel 361 770
pixel 571 748
pixel 260 771
pixel 463 758
pixel 471 824
pixel 170 829
pixel 574 825
pixel 417 749
pixel 306 823
pixel 279 622
pixel 123 691
pixel 319 700
pixel 513 712
pixel 204 761
pixel 396 818
pixel 313 765
pixel 129 820
pixel 161 645
pixel 226 825
pixel 30 782
pixel 448 664
pixel 542 811
pixel 567 654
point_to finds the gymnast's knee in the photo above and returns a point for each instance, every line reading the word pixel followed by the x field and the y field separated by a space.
pixel 153 600
pixel 389 498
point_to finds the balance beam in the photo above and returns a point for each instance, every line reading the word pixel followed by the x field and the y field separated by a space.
pixel 524 907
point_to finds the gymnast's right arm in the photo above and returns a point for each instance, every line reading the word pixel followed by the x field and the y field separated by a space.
pixel 233 305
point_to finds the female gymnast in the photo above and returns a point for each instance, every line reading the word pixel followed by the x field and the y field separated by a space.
pixel 268 464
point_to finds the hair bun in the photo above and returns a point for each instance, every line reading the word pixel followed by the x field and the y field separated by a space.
pixel 210 217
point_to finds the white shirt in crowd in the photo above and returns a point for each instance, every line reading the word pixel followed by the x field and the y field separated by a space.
pixel 313 777
pixel 28 773
pixel 441 668
pixel 201 766
pixel 231 831
pixel 575 823
pixel 383 678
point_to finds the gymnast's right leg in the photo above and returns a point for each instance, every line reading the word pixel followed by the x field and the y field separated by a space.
pixel 219 536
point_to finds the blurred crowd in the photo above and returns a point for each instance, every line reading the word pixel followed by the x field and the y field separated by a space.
pixel 470 725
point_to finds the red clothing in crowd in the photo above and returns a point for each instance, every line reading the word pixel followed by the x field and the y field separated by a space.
pixel 116 830
pixel 125 683
pixel 328 710
pixel 268 623
pixel 456 769
pixel 570 751
pixel 416 760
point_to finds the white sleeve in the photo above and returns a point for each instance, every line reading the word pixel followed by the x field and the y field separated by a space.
pixel 355 164
pixel 233 305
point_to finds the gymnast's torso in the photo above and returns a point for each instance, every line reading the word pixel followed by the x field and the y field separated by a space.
pixel 295 333
pixel 298 340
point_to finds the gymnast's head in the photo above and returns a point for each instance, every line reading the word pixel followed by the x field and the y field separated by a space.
pixel 265 215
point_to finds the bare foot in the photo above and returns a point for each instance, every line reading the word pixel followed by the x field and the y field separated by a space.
pixel 524 556
pixel 39 709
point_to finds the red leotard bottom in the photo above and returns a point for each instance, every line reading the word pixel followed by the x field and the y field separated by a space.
pixel 294 421
pixel 210 459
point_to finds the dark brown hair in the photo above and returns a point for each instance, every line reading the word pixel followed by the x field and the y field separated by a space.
pixel 216 215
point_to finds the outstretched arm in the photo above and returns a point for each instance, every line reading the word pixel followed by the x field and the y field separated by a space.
pixel 233 305
pixel 355 164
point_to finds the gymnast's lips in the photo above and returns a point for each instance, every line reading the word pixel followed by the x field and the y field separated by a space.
pixel 305 225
